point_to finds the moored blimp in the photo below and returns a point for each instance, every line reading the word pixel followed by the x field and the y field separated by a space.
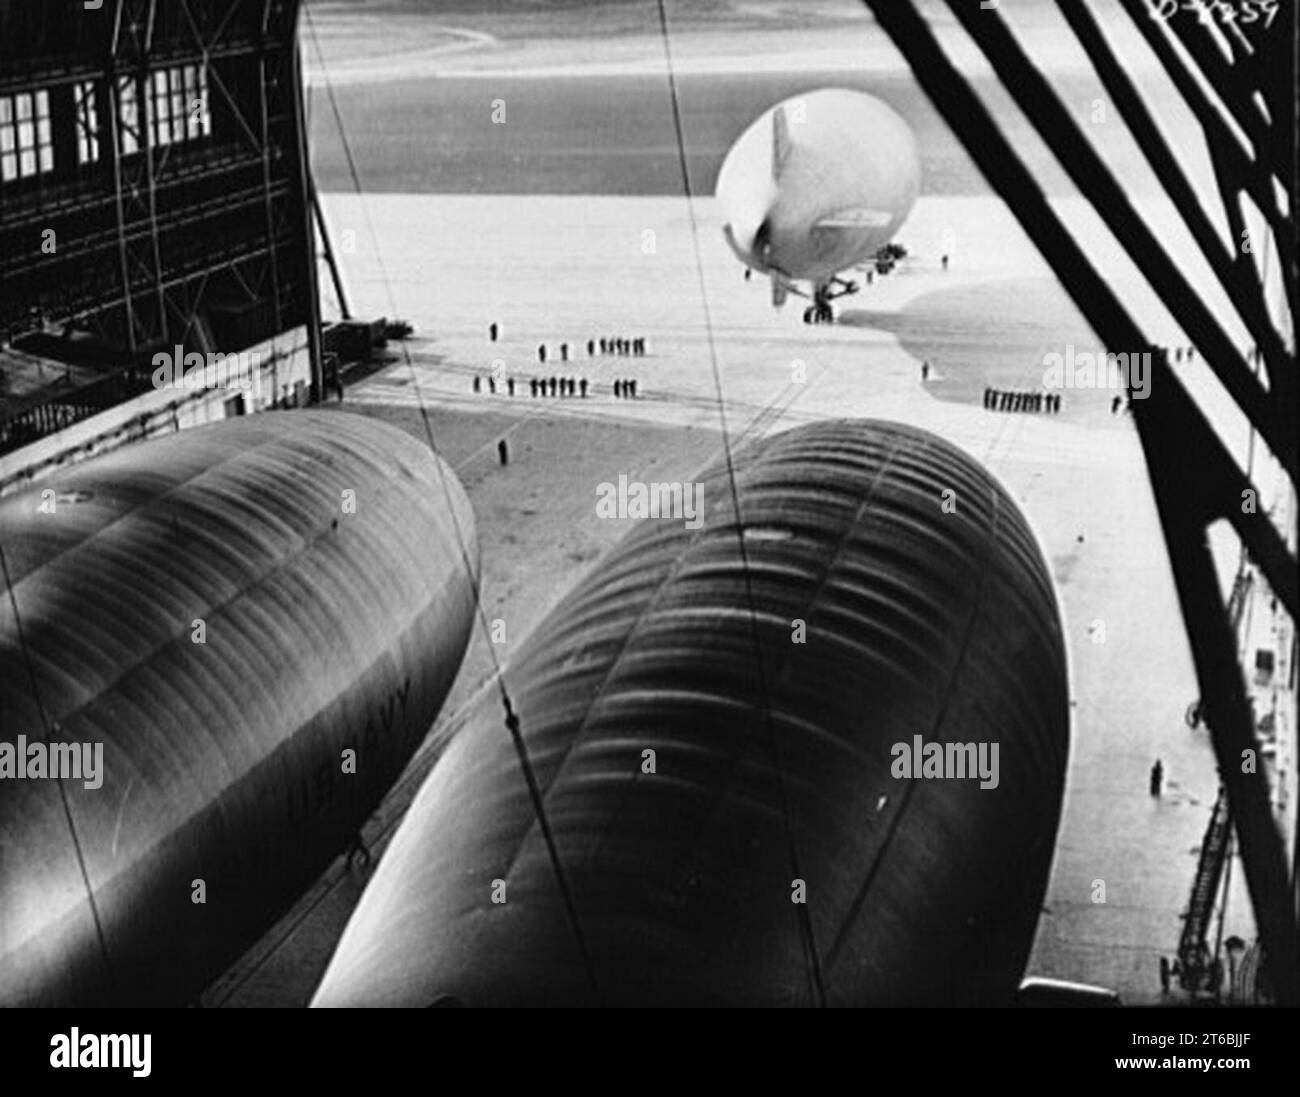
pixel 818 185
pixel 811 752
pixel 217 652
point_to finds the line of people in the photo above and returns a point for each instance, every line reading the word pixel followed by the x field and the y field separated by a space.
pixel 492 385
pixel 625 388
pixel 621 346
pixel 627 348
pixel 1003 400
pixel 557 386
pixel 624 348
pixel 1253 355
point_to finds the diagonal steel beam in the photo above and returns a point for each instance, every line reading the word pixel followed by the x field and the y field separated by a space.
pixel 1170 428
pixel 1041 105
pixel 1212 121
pixel 1227 80
pixel 1235 276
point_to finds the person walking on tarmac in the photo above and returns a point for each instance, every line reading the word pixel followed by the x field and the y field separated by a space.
pixel 1157 776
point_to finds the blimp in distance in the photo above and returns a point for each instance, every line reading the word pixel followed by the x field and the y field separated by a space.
pixel 811 752
pixel 816 186
pixel 217 652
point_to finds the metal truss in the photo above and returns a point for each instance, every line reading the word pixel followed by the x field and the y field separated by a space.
pixel 1195 480
pixel 150 239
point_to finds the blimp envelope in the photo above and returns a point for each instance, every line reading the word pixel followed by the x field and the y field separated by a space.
pixel 809 749
pixel 217 652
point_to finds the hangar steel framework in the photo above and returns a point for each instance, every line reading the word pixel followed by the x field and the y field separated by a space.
pixel 1238 79
pixel 154 186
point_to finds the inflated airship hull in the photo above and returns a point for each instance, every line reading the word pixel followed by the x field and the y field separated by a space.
pixel 318 558
pixel 774 684
pixel 818 184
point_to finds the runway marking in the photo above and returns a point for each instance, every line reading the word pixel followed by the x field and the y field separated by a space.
pixel 388 68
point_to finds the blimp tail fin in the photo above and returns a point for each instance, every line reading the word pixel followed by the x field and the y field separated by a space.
pixel 780 141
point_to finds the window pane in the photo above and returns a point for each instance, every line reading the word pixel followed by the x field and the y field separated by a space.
pixel 47 158
pixel 6 138
pixel 162 130
pixel 43 131
pixel 178 108
pixel 27 163
pixel 87 125
pixel 26 135
pixel 129 116
pixel 24 105
pixel 9 166
pixel 193 119
pixel 6 109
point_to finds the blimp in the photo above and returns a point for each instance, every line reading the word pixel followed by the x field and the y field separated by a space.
pixel 217 652
pixel 810 753
pixel 816 186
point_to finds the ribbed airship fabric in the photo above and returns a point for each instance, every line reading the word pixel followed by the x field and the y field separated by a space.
pixel 226 612
pixel 876 585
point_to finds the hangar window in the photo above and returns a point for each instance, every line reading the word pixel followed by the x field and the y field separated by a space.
pixel 128 115
pixel 160 114
pixel 198 121
pixel 26 143
pixel 179 105
pixel 83 95
pixel 8 140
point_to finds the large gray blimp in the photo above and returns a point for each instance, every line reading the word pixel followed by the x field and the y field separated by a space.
pixel 223 614
pixel 768 852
